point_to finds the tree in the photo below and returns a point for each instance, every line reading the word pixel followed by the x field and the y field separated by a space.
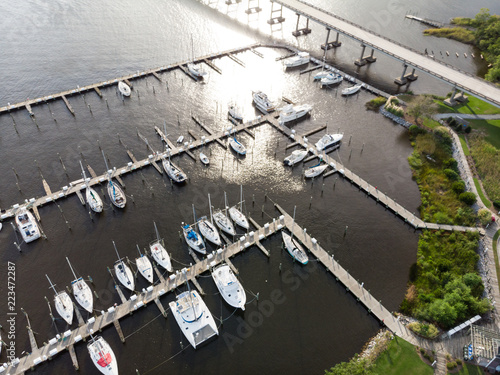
pixel 484 216
pixel 421 106
pixel 468 198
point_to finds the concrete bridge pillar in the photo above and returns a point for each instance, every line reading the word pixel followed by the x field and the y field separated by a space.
pixel 276 15
pixel 365 59
pixel 402 80
pixel 455 98
pixel 304 31
pixel 253 7
pixel 328 44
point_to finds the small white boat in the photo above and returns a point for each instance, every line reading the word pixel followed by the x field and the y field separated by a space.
pixel 1 225
pixel 352 90
pixel 300 59
pixel 222 220
pixel 27 225
pixel 159 253
pixel 173 171
pixel 124 88
pixel 328 141
pixel 81 291
pixel 331 79
pixel 193 239
pixel 123 272
pixel 196 70
pixel 180 139
pixel 229 286
pixel 204 158
pixel 235 113
pixel 193 317
pixel 209 231
pixel 93 199
pixel 291 113
pixel 64 305
pixel 102 356
pixel 293 246
pixel 321 75
pixel 116 195
pixel 237 146
pixel 237 214
pixel 295 157
pixel 315 170
pixel 144 266
pixel 262 102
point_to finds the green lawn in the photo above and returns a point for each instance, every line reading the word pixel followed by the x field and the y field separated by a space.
pixel 464 144
pixel 430 123
pixel 401 358
pixel 495 254
pixel 485 200
pixel 473 106
pixel 491 128
pixel 471 370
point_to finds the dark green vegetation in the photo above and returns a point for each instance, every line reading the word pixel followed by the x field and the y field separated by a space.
pixel 376 103
pixel 484 32
pixel 470 370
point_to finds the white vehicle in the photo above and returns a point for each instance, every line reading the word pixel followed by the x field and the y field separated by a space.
pixel 222 220
pixel 173 171
pixel 352 90
pixel 193 238
pixel 293 246
pixel 93 199
pixel 331 79
pixel 291 113
pixel 64 305
pixel 159 253
pixel 196 70
pixel 295 157
pixel 262 102
pixel 237 214
pixel 204 158
pixel 235 113
pixel 229 286
pixel 116 195
pixel 27 225
pixel 102 356
pixel 144 266
pixel 237 146
pixel 315 170
pixel 124 88
pixel 300 59
pixel 329 141
pixel 123 272
pixel 81 291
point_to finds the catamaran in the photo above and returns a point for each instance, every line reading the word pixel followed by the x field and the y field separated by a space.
pixel 208 229
pixel 237 215
pixel 64 305
pixel 229 286
pixel 293 246
pixel 144 266
pixel 295 157
pixel 27 225
pixel 222 220
pixel 300 59
pixel 93 199
pixel 173 171
pixel 123 272
pixel 102 356
pixel 291 113
pixel 124 88
pixel 262 102
pixel 81 291
pixel 329 141
pixel 159 253
pixel 193 317
pixel 237 146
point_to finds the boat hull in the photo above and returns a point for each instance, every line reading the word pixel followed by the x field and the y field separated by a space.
pixel 64 306
pixel 229 286
pixel 83 294
pixel 238 217
pixel 294 249
pixel 237 147
pixel 315 171
pixel 224 223
pixel 102 356
pixel 145 268
pixel 174 172
pixel 93 200
pixel 194 240
pixel 296 157
pixel 124 88
pixel 124 275
pixel 116 195
pixel 160 255
pixel 27 226
pixel 209 231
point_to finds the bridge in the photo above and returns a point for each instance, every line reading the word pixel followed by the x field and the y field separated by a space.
pixel 458 79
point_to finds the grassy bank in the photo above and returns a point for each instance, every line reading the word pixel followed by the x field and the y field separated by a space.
pixel 495 254
pixel 479 189
pixel 400 358
pixel 464 145
pixel 456 33
pixel 490 129
pixel 473 106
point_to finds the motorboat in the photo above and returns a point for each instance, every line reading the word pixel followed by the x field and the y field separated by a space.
pixel 27 225
pixel 159 253
pixel 222 220
pixel 193 239
pixel 352 90
pixel 328 141
pixel 262 102
pixel 295 157
pixel 237 215
pixel 93 199
pixel 315 170
pixel 193 317
pixel 204 158
pixel 116 194
pixel 300 59
pixel 63 303
pixel 173 171
pixel 229 286
pixel 180 139
pixel 196 70
pixel 102 356
pixel 124 88
pixel 291 113
pixel 235 113
pixel 144 266
pixel 237 146
pixel 81 291
pixel 123 272
pixel 331 79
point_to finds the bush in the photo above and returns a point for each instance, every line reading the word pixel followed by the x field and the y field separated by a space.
pixel 484 216
pixel 376 103
pixel 458 361
pixel 451 365
pixel 415 130
pixel 496 204
pixel 468 129
pixel 451 164
pixel 451 174
pixel 468 198
pixel 458 187
pixel 426 330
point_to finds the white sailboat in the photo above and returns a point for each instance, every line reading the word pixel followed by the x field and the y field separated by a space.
pixel 102 356
pixel 115 192
pixel 27 225
pixel 229 286
pixel 159 253
pixel 81 291
pixel 315 170
pixel 293 246
pixel 331 79
pixel 237 146
pixel 173 171
pixel 234 112
pixel 237 215
pixel 123 272
pixel 222 220
pixel 144 266
pixel 193 239
pixel 124 88
pixel 93 199
pixel 351 90
pixel 295 157
pixel 63 303
pixel 204 158
pixel 193 317
pixel 208 229
pixel 195 69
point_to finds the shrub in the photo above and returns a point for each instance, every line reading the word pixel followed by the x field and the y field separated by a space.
pixel 451 365
pixel 458 361
pixel 415 130
pixel 375 104
pixel 458 187
pixel 468 129
pixel 496 204
pixel 451 174
pixel 426 330
pixel 468 198
pixel 451 164
pixel 484 216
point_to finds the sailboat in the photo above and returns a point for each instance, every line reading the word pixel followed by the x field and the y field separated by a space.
pixel 64 305
pixel 208 229
pixel 237 146
pixel 315 170
pixel 123 272
pixel 81 291
pixel 223 221
pixel 193 316
pixel 159 253
pixel 229 286
pixel 102 356
pixel 293 246
pixel 115 192
pixel 234 112
pixel 237 215
pixel 124 88
pixel 144 266
pixel 173 171
pixel 195 69
pixel 193 239
pixel 93 199
pixel 204 158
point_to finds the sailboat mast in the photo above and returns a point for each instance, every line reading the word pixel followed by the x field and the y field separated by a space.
pixel 83 171
pixel 118 255
pixel 51 285
pixel 293 222
pixel 241 198
pixel 210 205
pixel 156 230
pixel 138 249
pixel 194 214
pixel 71 268
pixel 105 161
pixel 225 204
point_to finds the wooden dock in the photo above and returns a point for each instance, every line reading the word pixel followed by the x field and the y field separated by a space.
pixel 70 108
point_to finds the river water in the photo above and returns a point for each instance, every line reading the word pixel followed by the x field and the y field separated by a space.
pixel 52 46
